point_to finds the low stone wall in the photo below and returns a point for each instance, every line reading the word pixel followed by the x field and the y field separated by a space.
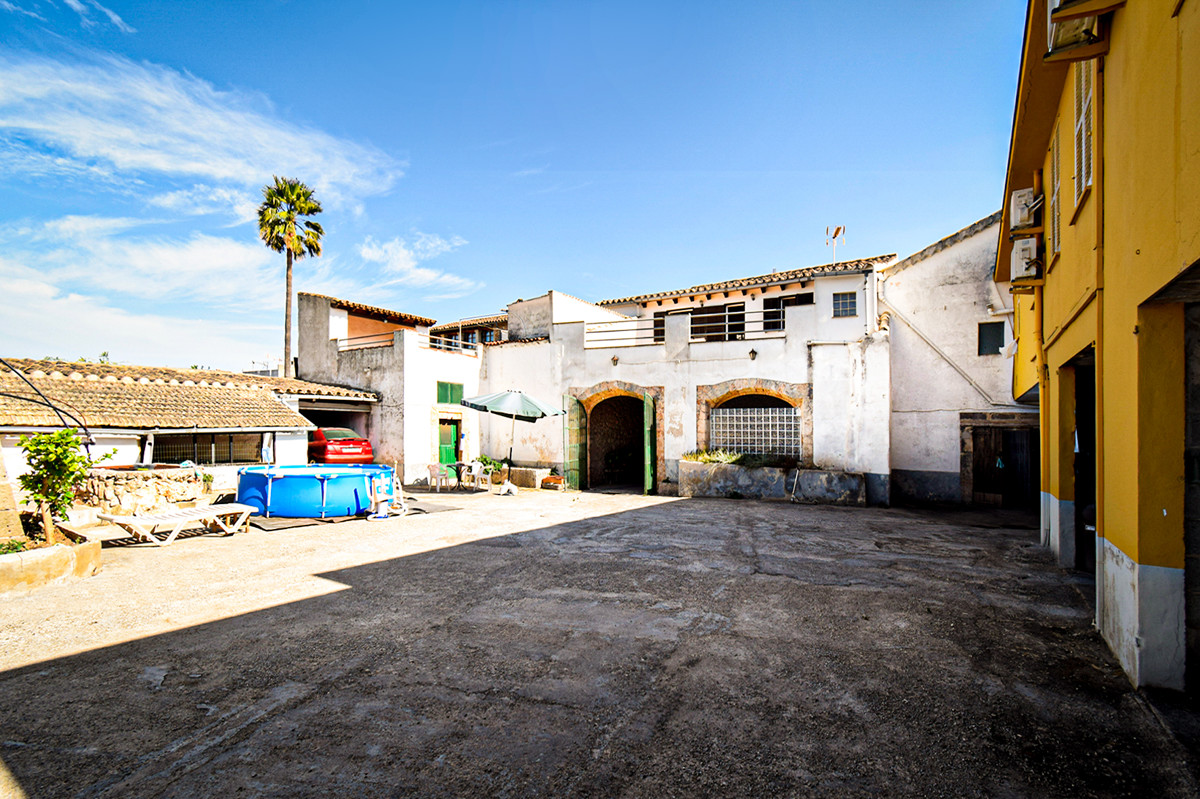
pixel 128 492
pixel 21 572
pixel 527 478
pixel 816 486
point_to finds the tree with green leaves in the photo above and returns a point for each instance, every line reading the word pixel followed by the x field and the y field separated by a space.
pixel 57 467
pixel 283 228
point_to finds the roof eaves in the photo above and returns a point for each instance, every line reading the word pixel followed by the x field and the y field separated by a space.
pixel 954 238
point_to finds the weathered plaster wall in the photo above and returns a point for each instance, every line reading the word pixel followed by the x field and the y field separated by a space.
pixel 423 369
pixel 377 369
pixel 536 369
pixel 126 451
pixel 936 304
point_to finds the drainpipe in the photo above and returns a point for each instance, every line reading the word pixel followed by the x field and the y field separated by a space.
pixel 1098 188
pixel 1043 375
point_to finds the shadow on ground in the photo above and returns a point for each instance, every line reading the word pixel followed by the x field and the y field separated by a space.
pixel 700 648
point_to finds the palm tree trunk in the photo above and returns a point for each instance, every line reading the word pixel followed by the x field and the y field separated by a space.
pixel 287 322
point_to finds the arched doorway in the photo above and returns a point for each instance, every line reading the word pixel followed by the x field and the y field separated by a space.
pixel 616 443
pixel 755 401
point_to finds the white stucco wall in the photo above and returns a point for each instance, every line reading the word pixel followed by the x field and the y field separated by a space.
pixel 850 405
pixel 423 369
pixel 536 369
pixel 937 304
pixel 290 448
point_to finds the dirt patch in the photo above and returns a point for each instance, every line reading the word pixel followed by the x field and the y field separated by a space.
pixel 581 645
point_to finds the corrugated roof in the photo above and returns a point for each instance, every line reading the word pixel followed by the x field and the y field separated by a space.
pixel 399 317
pixel 495 320
pixel 790 276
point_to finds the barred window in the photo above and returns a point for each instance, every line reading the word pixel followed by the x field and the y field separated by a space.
pixel 845 303
pixel 208 448
pixel 762 431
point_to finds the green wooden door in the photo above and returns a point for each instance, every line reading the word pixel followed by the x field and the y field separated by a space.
pixel 648 435
pixel 574 443
pixel 447 442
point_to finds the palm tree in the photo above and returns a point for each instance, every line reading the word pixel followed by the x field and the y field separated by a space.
pixel 282 228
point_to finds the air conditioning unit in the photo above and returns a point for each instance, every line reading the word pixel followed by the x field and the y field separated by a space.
pixel 1024 259
pixel 1021 205
pixel 1069 32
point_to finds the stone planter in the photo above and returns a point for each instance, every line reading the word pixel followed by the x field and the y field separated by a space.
pixel 21 572
pixel 816 486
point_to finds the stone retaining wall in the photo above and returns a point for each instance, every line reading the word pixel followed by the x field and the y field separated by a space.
pixel 816 486
pixel 129 492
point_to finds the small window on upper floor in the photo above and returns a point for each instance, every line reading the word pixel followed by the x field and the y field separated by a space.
pixel 470 337
pixel 1083 128
pixel 845 303
pixel 449 393
pixel 489 334
pixel 991 338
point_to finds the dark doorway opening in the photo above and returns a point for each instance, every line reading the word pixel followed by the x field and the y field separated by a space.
pixel 355 420
pixel 1085 461
pixel 1191 498
pixel 616 443
pixel 1005 467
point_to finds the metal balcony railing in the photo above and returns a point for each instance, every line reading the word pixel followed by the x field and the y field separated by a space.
pixel 444 344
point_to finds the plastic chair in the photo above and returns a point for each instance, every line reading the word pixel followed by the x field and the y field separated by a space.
pixel 438 476
pixel 476 474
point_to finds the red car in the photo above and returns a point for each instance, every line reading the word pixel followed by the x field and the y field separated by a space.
pixel 338 445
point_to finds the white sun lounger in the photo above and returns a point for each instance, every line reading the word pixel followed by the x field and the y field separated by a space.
pixel 228 517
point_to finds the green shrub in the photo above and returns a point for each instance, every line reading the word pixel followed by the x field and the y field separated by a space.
pixel 11 545
pixel 713 456
pixel 57 467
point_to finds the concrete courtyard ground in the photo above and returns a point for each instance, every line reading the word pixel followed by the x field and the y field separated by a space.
pixel 579 645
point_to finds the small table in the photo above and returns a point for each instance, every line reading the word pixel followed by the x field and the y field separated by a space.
pixel 458 467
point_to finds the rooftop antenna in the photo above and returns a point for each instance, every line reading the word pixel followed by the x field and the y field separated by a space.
pixel 831 238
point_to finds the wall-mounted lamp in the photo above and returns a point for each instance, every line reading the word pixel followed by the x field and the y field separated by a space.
pixel 616 360
pixel 753 354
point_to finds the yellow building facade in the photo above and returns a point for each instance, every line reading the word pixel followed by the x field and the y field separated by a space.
pixel 1103 251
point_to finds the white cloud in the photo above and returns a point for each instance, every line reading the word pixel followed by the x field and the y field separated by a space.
pixel 87 325
pixel 141 119
pixel 400 265
pixel 5 5
pixel 201 199
pixel 120 24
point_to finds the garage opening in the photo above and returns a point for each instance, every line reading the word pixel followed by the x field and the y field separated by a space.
pixel 616 443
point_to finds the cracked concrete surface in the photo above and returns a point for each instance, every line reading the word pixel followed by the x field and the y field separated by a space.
pixel 578 645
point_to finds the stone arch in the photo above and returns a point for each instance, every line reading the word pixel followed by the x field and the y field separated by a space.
pixel 592 396
pixel 798 395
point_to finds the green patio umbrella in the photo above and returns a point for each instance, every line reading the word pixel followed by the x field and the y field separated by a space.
pixel 515 405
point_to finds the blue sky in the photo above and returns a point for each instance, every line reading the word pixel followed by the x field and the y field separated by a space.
pixel 469 153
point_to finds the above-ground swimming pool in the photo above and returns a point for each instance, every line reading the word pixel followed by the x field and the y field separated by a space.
pixel 308 492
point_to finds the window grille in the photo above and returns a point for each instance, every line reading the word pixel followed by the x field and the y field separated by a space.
pixel 208 448
pixel 764 431
pixel 845 303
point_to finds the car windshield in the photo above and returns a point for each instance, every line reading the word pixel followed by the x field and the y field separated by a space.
pixel 339 432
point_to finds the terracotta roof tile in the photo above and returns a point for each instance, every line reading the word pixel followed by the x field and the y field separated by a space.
pixel 399 317
pixel 116 371
pixel 137 397
pixel 790 276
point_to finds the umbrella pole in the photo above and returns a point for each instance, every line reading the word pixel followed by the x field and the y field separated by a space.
pixel 512 435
